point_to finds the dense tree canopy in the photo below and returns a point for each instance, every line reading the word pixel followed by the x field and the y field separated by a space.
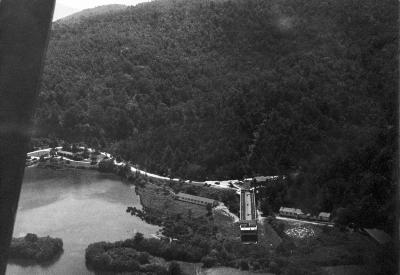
pixel 226 89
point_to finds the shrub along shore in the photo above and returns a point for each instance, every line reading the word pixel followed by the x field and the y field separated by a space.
pixel 129 255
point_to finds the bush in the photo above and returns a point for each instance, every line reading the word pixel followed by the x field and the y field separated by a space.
pixel 174 269
pixel 208 261
pixel 115 257
pixel 231 263
pixel 166 250
pixel 279 227
pixel 31 238
pixel 274 267
pixel 286 247
pixel 326 229
pixel 256 265
pixel 264 261
pixel 138 238
pixel 296 270
pixel 244 265
pixel 106 166
pixel 143 258
pixel 154 269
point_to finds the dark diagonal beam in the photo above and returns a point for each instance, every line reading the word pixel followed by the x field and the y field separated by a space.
pixel 24 32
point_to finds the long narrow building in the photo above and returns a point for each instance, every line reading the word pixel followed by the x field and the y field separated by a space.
pixel 248 216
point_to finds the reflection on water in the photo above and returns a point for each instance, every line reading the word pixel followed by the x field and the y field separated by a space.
pixel 78 206
pixel 27 263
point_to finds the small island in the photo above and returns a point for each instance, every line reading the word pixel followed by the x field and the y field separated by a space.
pixel 37 249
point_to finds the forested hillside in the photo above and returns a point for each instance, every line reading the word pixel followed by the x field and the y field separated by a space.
pixel 226 89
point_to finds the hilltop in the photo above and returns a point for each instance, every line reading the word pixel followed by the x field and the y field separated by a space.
pixel 227 89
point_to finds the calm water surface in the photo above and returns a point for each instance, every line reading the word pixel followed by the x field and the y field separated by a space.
pixel 78 206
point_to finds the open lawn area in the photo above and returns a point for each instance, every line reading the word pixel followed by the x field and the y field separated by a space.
pixel 268 236
pixel 159 200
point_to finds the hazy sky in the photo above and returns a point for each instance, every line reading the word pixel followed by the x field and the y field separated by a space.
pixel 67 7
pixel 84 4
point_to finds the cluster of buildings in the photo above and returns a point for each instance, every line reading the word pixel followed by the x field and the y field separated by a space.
pixel 298 214
pixel 82 158
pixel 34 157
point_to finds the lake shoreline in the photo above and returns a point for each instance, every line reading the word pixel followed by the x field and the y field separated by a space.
pixel 80 207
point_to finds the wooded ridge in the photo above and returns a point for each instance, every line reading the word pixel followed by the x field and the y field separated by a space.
pixel 227 89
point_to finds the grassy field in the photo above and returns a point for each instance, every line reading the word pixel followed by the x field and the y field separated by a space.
pixel 159 200
pixel 227 227
pixel 268 236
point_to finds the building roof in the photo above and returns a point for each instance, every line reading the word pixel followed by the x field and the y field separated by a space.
pixel 188 196
pixel 292 210
pixel 324 214
pixel 379 235
pixel 66 152
pixel 260 179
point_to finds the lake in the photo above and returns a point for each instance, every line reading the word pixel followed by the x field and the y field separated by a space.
pixel 78 206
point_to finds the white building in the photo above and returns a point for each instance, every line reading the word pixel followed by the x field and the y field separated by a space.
pixel 291 212
pixel 195 199
pixel 324 216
